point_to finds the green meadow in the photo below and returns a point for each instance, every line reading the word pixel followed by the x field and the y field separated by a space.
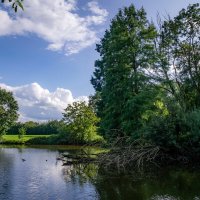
pixel 16 139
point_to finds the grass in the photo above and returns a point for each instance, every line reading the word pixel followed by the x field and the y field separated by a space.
pixel 44 140
pixel 14 139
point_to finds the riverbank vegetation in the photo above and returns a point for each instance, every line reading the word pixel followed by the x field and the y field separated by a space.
pixel 146 105
pixel 148 87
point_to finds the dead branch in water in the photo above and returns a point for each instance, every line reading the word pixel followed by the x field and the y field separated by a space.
pixel 120 156
pixel 125 154
pixel 126 157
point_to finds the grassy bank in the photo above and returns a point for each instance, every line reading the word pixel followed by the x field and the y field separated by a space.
pixel 14 139
pixel 46 140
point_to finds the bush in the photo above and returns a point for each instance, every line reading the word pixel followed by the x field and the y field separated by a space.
pixel 180 131
pixel 39 141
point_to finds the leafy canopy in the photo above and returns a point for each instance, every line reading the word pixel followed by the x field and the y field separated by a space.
pixel 81 122
pixel 122 87
pixel 8 110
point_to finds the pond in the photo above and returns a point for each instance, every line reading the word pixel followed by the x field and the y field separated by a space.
pixel 34 173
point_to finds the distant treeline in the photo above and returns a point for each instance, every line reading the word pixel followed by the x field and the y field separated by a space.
pixel 34 128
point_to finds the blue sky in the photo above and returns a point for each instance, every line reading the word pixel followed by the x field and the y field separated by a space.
pixel 34 45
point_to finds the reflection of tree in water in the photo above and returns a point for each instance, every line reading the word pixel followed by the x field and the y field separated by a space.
pixel 6 164
pixel 168 185
pixel 20 149
pixel 164 185
pixel 80 173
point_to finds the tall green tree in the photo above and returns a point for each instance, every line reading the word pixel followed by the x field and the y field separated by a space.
pixel 8 110
pixel 120 80
pixel 178 48
pixel 176 73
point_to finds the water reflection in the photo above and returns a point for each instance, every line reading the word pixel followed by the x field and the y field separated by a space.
pixel 168 184
pixel 41 178
pixel 80 173
pixel 6 163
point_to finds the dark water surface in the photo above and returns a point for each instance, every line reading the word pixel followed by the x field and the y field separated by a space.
pixel 42 177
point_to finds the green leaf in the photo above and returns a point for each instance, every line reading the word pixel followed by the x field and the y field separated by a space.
pixel 20 5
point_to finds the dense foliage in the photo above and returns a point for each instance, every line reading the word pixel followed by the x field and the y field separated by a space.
pixel 81 123
pixel 126 50
pixel 147 80
pixel 35 128
pixel 8 110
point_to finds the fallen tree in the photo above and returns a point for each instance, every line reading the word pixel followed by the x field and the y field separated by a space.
pixel 136 155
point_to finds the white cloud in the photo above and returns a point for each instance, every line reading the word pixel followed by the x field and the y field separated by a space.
pixel 99 14
pixel 57 22
pixel 39 104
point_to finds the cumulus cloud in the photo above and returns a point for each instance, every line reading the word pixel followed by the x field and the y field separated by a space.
pixel 99 14
pixel 57 22
pixel 39 104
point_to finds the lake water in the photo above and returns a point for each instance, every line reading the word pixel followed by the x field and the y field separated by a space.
pixel 35 174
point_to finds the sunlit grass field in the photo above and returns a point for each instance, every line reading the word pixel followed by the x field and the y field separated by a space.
pixel 15 138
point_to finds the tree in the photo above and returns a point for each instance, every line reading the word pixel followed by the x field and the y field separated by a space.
pixel 178 51
pixel 21 132
pixel 15 4
pixel 121 85
pixel 8 110
pixel 81 122
pixel 176 73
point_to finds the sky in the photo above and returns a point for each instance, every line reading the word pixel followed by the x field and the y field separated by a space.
pixel 47 51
